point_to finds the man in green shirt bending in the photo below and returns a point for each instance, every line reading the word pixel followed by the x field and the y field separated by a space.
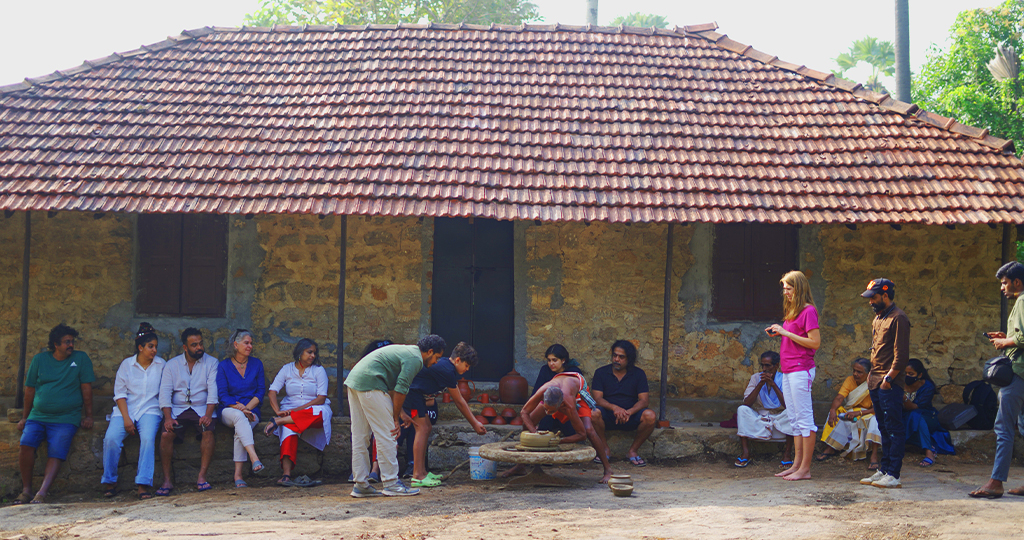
pixel 1011 398
pixel 58 398
pixel 377 386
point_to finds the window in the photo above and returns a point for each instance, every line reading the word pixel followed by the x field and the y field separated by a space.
pixel 749 260
pixel 182 265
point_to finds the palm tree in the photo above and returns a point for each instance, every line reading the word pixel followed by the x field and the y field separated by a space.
pixel 642 20
pixel 880 55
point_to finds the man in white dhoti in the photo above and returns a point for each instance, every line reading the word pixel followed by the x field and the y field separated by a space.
pixel 762 415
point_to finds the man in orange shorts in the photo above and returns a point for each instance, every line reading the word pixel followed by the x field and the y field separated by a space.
pixel 565 399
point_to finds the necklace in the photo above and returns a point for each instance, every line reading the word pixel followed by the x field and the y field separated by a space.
pixel 240 363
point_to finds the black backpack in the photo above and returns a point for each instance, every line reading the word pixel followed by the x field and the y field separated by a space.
pixel 980 394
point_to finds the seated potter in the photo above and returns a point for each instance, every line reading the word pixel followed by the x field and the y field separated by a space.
pixel 919 415
pixel 622 392
pixel 563 399
pixel 763 416
pixel 558 361
pixel 858 431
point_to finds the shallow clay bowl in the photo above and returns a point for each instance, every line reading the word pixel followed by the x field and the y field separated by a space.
pixel 621 490
pixel 622 479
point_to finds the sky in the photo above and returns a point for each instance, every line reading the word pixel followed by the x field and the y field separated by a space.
pixel 40 37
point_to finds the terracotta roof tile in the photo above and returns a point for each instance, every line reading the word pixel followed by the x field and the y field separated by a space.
pixel 528 122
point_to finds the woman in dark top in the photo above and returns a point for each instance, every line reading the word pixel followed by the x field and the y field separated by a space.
pixel 241 385
pixel 558 361
pixel 919 415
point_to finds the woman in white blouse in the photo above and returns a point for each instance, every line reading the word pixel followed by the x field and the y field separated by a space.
pixel 305 409
pixel 137 411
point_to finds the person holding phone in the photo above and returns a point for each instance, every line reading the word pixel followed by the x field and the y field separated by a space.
pixel 800 338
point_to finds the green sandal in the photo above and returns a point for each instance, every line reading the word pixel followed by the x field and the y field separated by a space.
pixel 427 482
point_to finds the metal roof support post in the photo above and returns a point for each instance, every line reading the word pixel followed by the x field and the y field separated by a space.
pixel 23 345
pixel 342 255
pixel 1009 253
pixel 667 308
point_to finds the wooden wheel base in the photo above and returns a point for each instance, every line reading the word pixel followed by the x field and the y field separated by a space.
pixel 537 477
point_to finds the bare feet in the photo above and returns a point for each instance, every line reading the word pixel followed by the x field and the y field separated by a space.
pixel 518 470
pixel 607 476
pixel 798 475
pixel 786 472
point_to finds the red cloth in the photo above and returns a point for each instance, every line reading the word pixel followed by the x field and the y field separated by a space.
pixel 304 419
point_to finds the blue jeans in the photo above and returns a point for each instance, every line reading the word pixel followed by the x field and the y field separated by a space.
pixel 889 412
pixel 57 436
pixel 1011 399
pixel 113 441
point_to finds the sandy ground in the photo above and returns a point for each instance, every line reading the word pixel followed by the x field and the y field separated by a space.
pixel 707 500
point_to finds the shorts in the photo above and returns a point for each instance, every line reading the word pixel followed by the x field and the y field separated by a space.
pixel 630 425
pixel 416 407
pixel 550 424
pixel 581 409
pixel 189 418
pixel 58 437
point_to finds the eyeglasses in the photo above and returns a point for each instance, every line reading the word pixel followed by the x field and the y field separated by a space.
pixel 188 396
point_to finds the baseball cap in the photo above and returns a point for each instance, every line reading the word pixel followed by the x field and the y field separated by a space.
pixel 879 286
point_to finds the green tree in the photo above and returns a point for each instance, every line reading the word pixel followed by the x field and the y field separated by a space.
pixel 273 12
pixel 641 20
pixel 958 83
pixel 880 55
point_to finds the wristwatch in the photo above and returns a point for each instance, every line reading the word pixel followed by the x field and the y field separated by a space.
pixel 887 379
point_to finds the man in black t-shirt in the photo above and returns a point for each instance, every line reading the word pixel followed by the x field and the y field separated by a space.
pixel 621 391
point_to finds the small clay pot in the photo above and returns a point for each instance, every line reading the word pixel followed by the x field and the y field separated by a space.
pixel 447 398
pixel 620 479
pixel 515 421
pixel 509 412
pixel 484 398
pixel 498 421
pixel 621 490
pixel 489 413
pixel 482 419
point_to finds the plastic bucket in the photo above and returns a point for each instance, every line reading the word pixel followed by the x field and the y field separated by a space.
pixel 480 468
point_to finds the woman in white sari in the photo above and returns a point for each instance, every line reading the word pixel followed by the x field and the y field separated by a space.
pixel 851 420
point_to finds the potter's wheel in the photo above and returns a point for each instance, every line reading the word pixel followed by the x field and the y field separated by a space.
pixel 563 455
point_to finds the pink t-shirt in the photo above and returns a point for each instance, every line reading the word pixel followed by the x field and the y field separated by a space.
pixel 796 357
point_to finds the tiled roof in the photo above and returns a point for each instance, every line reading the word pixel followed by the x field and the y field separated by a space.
pixel 529 122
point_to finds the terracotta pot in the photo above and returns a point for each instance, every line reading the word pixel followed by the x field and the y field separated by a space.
pixel 513 388
pixel 484 398
pixel 498 421
pixel 509 412
pixel 464 389
pixel 447 398
pixel 515 421
pixel 482 419
pixel 489 412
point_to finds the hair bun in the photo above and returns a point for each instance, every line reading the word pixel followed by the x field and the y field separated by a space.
pixel 144 329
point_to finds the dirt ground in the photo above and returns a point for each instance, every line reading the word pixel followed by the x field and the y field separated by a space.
pixel 707 500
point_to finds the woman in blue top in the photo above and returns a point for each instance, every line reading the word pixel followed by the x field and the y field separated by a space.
pixel 241 386
pixel 919 415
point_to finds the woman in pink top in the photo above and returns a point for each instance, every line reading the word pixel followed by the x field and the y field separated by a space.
pixel 800 338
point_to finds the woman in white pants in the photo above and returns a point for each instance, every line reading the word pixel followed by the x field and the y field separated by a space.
pixel 800 339
pixel 241 385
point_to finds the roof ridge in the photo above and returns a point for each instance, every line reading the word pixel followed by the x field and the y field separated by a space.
pixel 883 101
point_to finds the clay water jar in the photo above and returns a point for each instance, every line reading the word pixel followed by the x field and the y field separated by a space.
pixel 513 388
pixel 465 390
pixel 489 413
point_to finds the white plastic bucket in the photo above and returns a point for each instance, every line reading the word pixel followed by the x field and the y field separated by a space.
pixel 480 468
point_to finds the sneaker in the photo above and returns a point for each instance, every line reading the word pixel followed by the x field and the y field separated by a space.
pixel 359 491
pixel 398 489
pixel 887 482
pixel 873 478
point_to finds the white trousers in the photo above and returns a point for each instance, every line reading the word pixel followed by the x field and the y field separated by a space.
pixel 373 413
pixel 796 390
pixel 762 425
pixel 243 431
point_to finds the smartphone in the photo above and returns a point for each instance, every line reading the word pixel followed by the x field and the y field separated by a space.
pixel 985 335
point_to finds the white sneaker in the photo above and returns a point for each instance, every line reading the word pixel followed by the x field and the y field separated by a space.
pixel 359 491
pixel 398 489
pixel 873 478
pixel 887 482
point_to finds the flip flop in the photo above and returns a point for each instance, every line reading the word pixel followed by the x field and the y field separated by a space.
pixel 1016 491
pixel 305 481
pixel 205 486
pixel 427 482
pixel 985 494
pixel 112 492
pixel 23 498
pixel 740 462
pixel 257 467
pixel 638 461
pixel 38 499
pixel 926 462
pixel 165 491
pixel 874 465
pixel 286 481
pixel 271 426
pixel 145 496
pixel 822 456
pixel 783 464
pixel 240 484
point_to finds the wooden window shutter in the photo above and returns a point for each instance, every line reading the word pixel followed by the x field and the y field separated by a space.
pixel 747 264
pixel 159 263
pixel 775 248
pixel 732 286
pixel 204 263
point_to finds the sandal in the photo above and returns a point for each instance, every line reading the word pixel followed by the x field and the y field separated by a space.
pixel 427 482
pixel 271 426
pixel 112 492
pixel 166 491
pixel 438 476
pixel 926 462
pixel 985 494
pixel 204 486
pixel 305 481
pixel 638 461
pixel 23 498
pixel 286 481
pixel 874 465
pixel 40 498
pixel 145 495
pixel 241 484
pixel 740 462
pixel 257 467
pixel 785 464
pixel 822 456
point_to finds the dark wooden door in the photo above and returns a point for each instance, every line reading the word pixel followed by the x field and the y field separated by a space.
pixel 472 291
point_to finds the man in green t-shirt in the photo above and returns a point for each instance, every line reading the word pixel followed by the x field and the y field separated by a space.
pixel 58 398
pixel 387 370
